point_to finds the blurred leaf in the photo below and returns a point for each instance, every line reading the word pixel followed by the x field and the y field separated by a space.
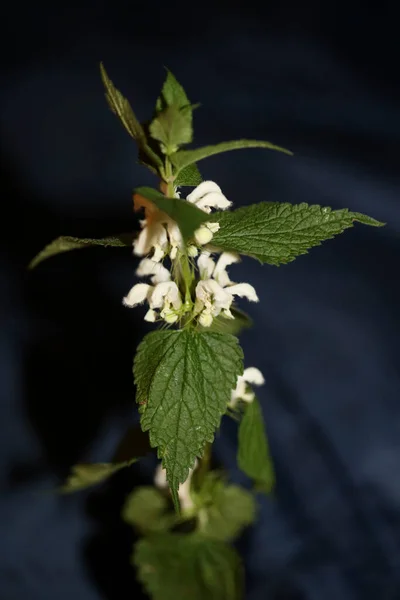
pixel 65 243
pixel 172 127
pixel 145 508
pixel 188 567
pixel 187 216
pixel 87 474
pixel 227 509
pixel 253 452
pixel 234 326
pixel 172 93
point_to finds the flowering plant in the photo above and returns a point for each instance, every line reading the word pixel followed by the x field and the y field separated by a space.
pixel 189 372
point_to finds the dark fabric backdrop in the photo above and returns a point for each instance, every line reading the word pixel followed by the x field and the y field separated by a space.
pixel 320 78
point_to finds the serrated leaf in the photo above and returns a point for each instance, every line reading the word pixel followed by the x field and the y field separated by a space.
pixel 65 243
pixel 276 233
pixel 172 93
pixel 187 216
pixel 121 107
pixel 184 381
pixel 172 127
pixel 172 566
pixel 253 455
pixel 189 176
pixel 234 326
pixel 145 508
pixel 87 474
pixel 183 158
pixel 227 509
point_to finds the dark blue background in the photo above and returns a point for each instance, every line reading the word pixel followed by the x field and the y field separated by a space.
pixel 321 79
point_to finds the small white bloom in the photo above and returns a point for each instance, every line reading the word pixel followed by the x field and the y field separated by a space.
pixel 137 295
pixel 208 195
pixel 159 273
pixel 152 236
pixel 203 235
pixel 165 293
pixel 251 375
pixel 215 291
pixel 160 481
pixel 192 251
pixel 150 316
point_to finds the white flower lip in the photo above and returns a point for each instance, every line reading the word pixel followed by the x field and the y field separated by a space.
pixel 251 375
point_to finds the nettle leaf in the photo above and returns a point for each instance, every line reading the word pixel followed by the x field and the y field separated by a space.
pixel 253 455
pixel 172 127
pixel 227 509
pixel 184 381
pixel 146 509
pixel 187 216
pixel 234 326
pixel 172 566
pixel 276 233
pixel 121 107
pixel 87 474
pixel 65 243
pixel 189 176
pixel 183 158
pixel 172 93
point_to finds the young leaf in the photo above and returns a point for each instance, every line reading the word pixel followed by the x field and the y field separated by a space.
pixel 189 176
pixel 187 216
pixel 145 509
pixel 121 107
pixel 172 93
pixel 228 509
pixel 277 233
pixel 65 243
pixel 172 566
pixel 184 381
pixel 253 455
pixel 86 475
pixel 172 127
pixel 234 326
pixel 183 158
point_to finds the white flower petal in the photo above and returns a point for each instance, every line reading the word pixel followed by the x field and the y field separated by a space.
pixel 214 227
pixel 220 274
pixel 137 295
pixel 205 318
pixel 243 290
pixel 159 273
pixel 150 316
pixel 254 376
pixel 204 188
pixel 205 265
pixel 213 200
pixel 166 292
pixel 212 295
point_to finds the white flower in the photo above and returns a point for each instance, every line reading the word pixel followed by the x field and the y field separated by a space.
pixel 208 195
pixel 215 292
pixel 251 375
pixel 152 236
pixel 159 273
pixel 164 295
pixel 160 481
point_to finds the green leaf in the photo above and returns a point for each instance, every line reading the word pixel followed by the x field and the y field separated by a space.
pixel 65 243
pixel 86 475
pixel 276 233
pixel 172 566
pixel 253 452
pixel 172 93
pixel 227 509
pixel 121 107
pixel 172 127
pixel 187 216
pixel 184 381
pixel 145 509
pixel 234 326
pixel 183 158
pixel 189 176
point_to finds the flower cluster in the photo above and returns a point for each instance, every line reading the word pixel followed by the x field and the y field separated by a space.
pixel 160 237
